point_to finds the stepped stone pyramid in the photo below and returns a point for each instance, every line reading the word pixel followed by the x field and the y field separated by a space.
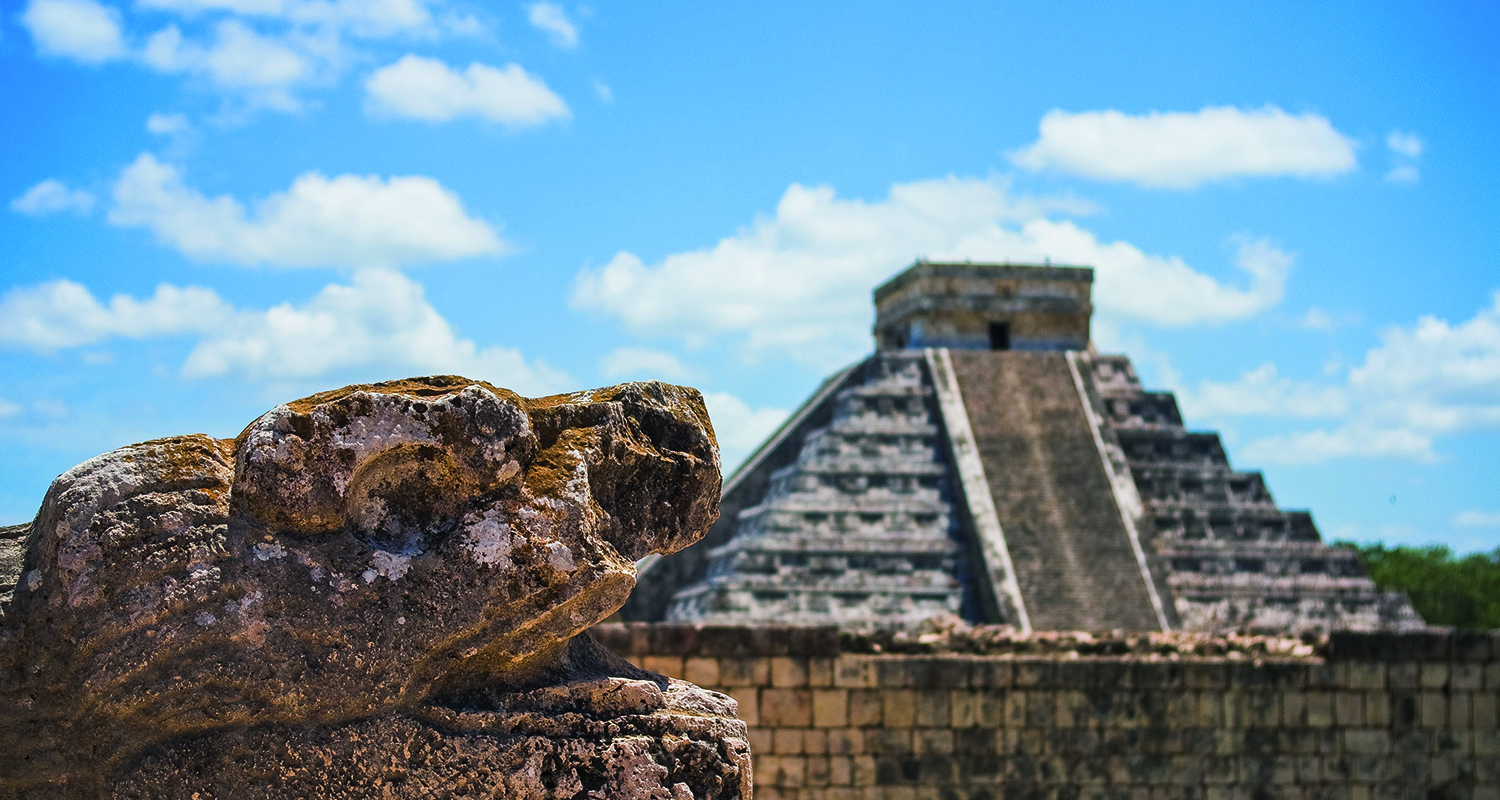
pixel 859 526
pixel 985 461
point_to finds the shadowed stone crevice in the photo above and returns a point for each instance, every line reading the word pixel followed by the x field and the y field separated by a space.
pixel 12 549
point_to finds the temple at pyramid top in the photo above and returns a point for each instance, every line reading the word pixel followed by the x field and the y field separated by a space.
pixel 984 307
pixel 986 462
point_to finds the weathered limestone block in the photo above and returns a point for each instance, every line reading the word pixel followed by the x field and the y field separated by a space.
pixel 373 592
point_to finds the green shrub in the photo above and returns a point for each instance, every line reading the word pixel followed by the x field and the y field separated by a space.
pixel 1445 590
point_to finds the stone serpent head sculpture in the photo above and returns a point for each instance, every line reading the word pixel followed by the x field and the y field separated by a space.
pixel 370 551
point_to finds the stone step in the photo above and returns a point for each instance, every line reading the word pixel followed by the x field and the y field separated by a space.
pixel 1071 551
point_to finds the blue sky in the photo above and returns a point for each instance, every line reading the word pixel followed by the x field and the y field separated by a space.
pixel 212 206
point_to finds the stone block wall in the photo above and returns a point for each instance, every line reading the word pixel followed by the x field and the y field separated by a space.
pixel 1356 716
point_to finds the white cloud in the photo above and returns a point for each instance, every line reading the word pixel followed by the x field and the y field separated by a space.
pixel 1165 290
pixel 373 18
pixel 256 50
pixel 1403 173
pixel 53 408
pixel 1181 150
pixel 1262 392
pixel 1406 149
pixel 1423 382
pixel 1404 144
pixel 8 409
pixel 82 30
pixel 1312 447
pixel 343 221
pixel 643 364
pixel 739 427
pixel 461 25
pixel 798 282
pixel 195 7
pixel 381 319
pixel 238 59
pixel 1447 376
pixel 242 58
pixel 604 92
pixel 427 89
pixel 1477 519
pixel 1316 319
pixel 61 313
pixel 168 124
pixel 258 53
pixel 51 196
pixel 550 19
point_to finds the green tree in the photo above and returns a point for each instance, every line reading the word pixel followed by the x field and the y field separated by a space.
pixel 1445 590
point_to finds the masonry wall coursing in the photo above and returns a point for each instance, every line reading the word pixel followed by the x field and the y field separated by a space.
pixel 1362 717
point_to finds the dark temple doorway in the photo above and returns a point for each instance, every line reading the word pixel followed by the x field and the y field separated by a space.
pixel 999 335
